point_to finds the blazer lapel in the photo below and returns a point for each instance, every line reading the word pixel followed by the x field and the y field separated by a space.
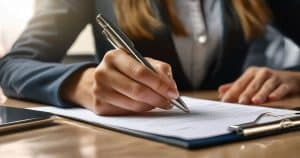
pixel 162 47
pixel 229 62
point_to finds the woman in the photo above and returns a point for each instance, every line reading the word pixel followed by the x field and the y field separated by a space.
pixel 207 43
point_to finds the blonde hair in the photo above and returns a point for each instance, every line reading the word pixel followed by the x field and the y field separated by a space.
pixel 139 21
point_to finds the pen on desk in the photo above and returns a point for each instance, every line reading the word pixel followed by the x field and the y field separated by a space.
pixel 119 40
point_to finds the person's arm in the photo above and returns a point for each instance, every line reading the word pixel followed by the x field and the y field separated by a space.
pixel 31 70
pixel 118 85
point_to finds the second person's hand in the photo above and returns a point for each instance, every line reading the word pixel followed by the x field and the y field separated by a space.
pixel 259 84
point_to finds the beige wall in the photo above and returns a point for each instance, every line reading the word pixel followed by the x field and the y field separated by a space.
pixel 13 22
pixel 84 44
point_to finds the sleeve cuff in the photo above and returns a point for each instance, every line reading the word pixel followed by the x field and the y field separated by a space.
pixel 73 69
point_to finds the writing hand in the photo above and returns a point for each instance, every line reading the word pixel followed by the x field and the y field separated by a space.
pixel 121 85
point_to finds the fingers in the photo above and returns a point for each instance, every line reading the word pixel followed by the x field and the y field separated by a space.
pixel 114 103
pixel 109 110
pixel 128 103
pixel 130 88
pixel 223 89
pixel 164 70
pixel 143 75
pixel 263 94
pixel 106 109
pixel 280 92
pixel 123 85
pixel 238 86
pixel 255 85
pixel 161 67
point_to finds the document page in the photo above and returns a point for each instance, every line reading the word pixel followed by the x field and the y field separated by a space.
pixel 206 119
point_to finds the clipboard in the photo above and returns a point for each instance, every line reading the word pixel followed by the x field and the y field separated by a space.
pixel 236 130
pixel 241 132
pixel 255 128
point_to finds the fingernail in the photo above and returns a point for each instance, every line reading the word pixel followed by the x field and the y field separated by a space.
pixel 228 98
pixel 258 100
pixel 220 96
pixel 244 100
pixel 272 97
pixel 174 85
pixel 224 98
pixel 173 94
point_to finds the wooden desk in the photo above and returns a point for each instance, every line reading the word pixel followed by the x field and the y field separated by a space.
pixel 74 139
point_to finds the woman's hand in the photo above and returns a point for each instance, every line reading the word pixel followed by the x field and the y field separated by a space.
pixel 121 85
pixel 259 84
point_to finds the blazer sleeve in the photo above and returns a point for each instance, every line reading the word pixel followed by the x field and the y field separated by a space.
pixel 31 70
pixel 274 50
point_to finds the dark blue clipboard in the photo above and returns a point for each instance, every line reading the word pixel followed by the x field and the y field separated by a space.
pixel 194 143
pixel 200 143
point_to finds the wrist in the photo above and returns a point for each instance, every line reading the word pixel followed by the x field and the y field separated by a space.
pixel 291 77
pixel 77 89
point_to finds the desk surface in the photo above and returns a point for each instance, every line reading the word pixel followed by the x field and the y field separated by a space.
pixel 75 139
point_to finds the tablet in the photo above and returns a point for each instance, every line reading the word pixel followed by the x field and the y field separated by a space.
pixel 17 118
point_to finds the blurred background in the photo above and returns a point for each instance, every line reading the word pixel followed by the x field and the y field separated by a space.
pixel 13 22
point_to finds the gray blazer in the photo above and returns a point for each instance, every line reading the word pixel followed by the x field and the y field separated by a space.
pixel 32 70
pixel 279 52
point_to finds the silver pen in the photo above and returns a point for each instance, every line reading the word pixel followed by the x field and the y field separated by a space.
pixel 119 40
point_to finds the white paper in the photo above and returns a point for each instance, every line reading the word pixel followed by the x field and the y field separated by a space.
pixel 207 118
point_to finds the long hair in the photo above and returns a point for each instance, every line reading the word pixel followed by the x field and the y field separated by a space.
pixel 137 20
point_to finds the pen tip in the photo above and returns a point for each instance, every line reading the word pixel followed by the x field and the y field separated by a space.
pixel 186 110
pixel 183 104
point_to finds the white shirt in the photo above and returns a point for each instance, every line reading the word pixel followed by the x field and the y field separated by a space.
pixel 196 51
